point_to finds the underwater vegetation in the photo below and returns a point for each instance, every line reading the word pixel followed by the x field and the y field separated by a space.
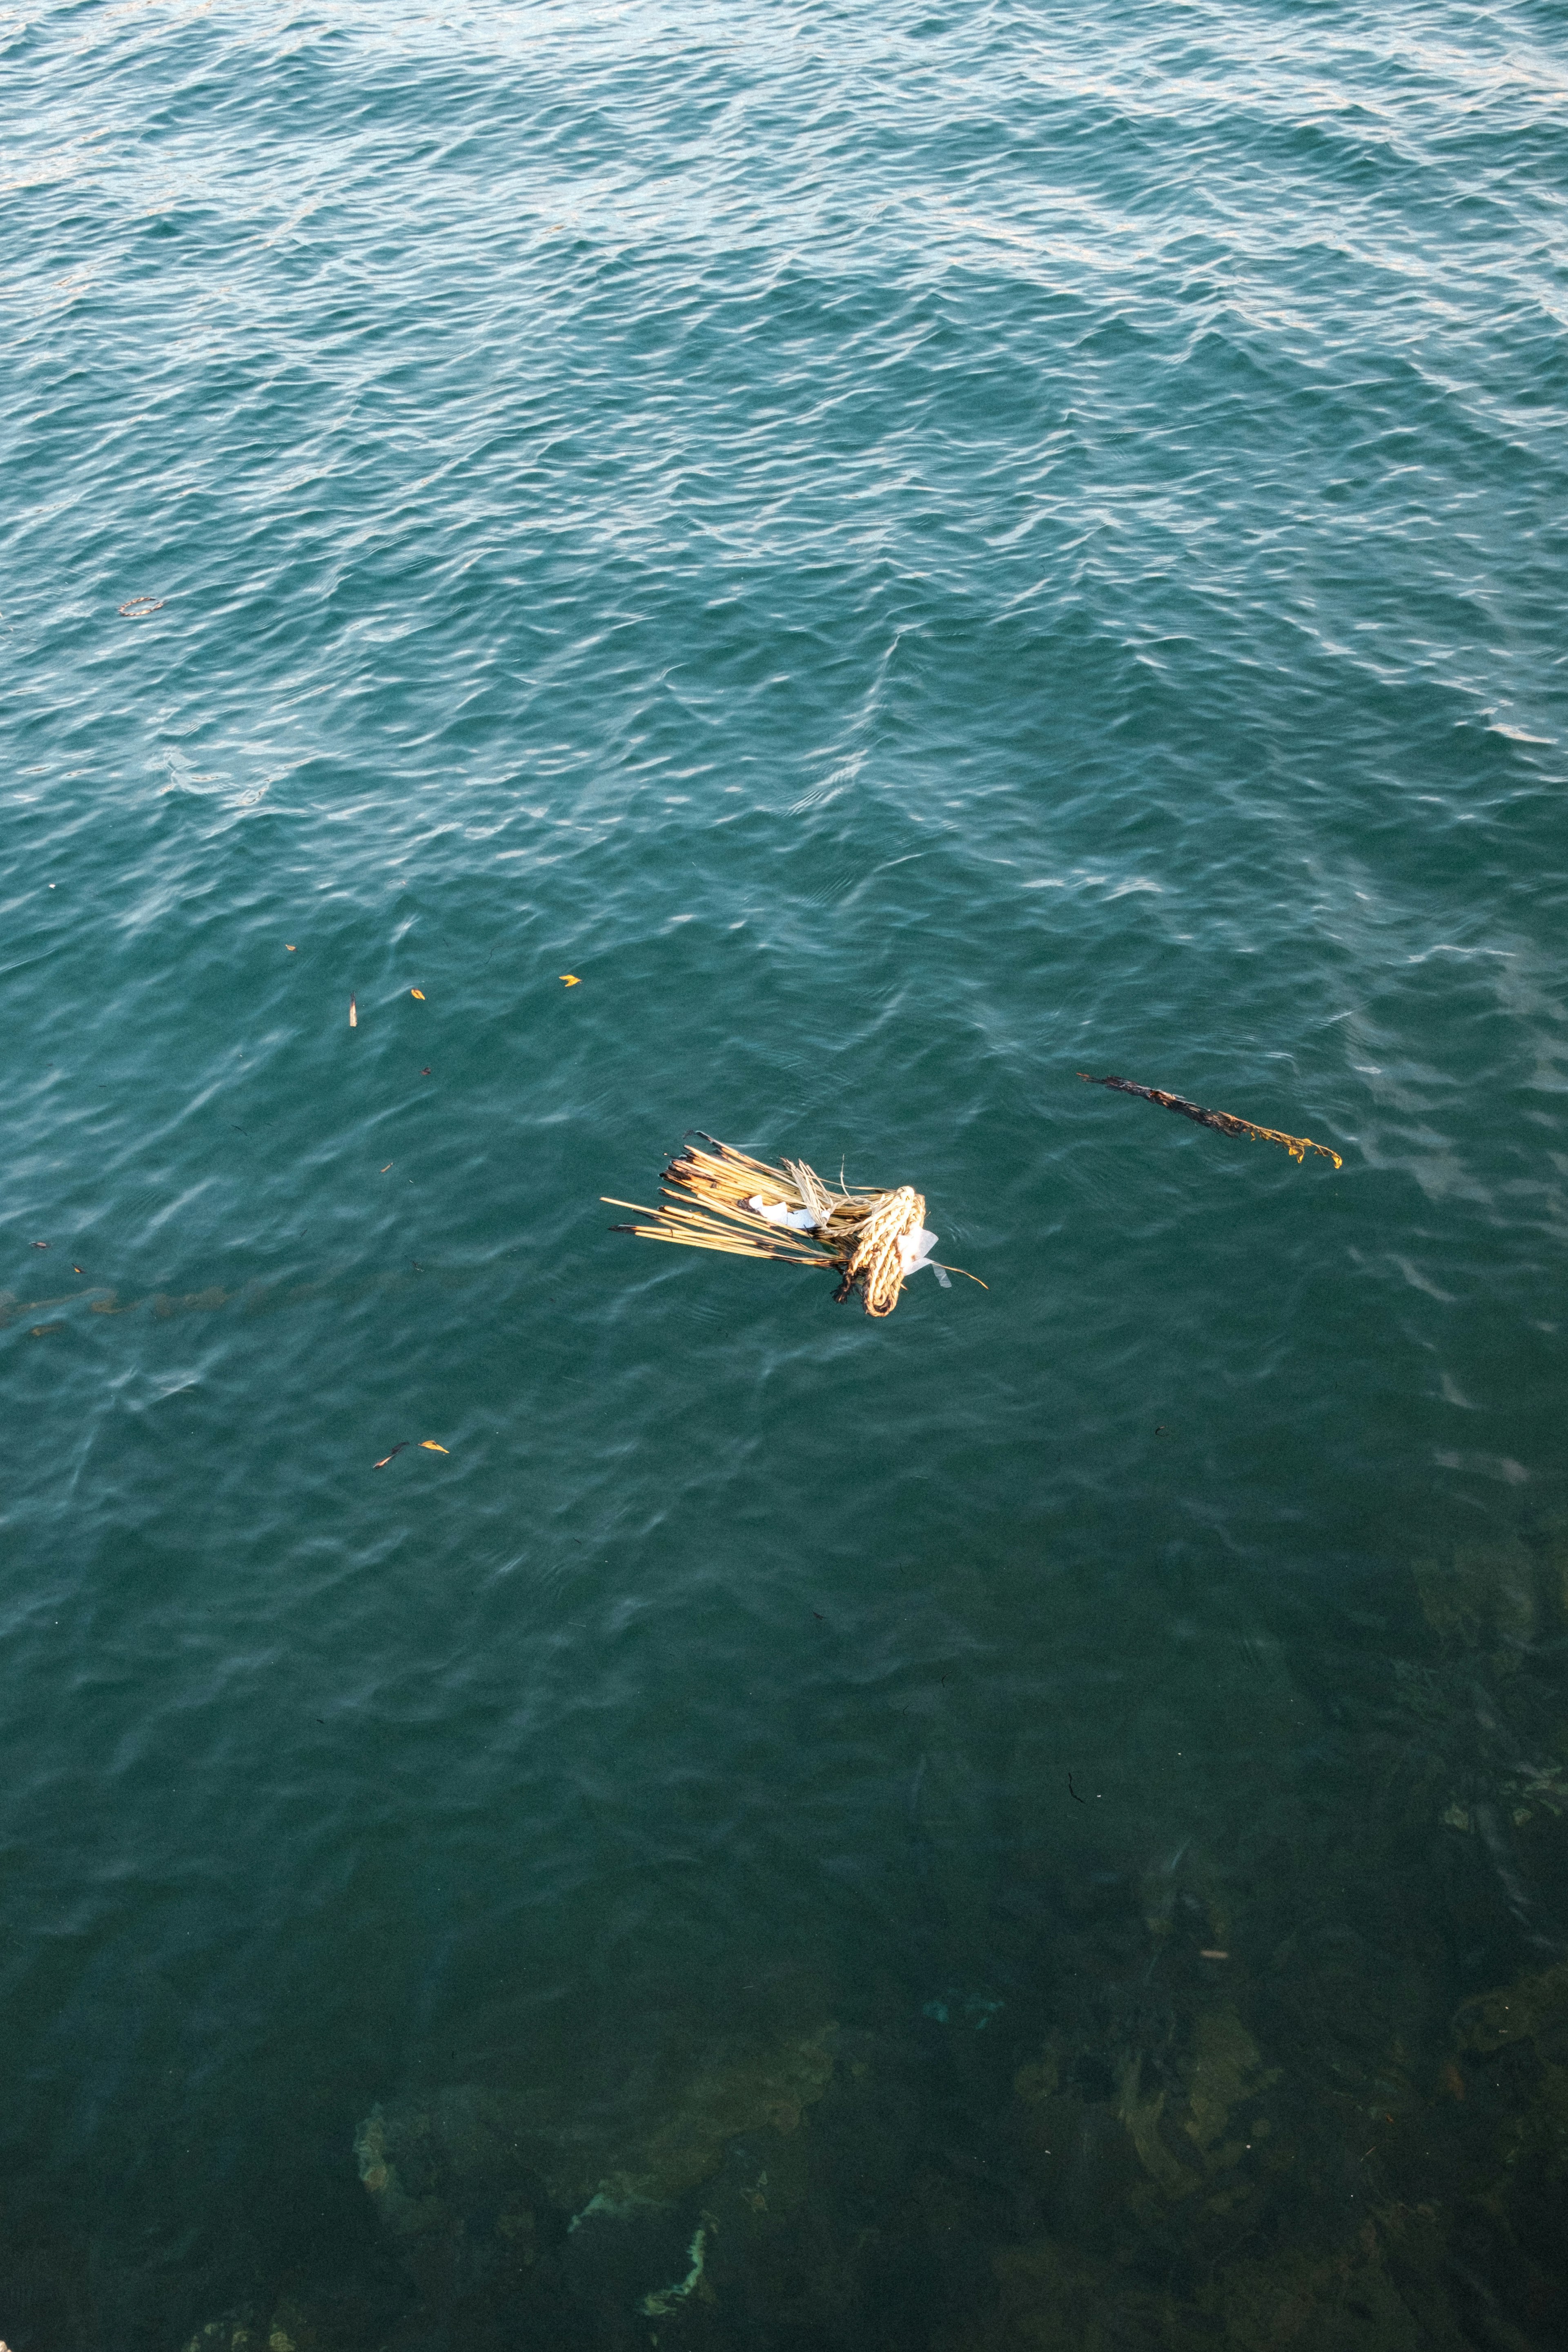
pixel 1178 2101
pixel 1171 2188
pixel 287 2328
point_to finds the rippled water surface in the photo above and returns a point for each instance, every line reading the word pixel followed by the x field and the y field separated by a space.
pixel 916 552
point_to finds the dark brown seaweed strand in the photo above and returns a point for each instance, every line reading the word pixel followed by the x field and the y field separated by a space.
pixel 1298 1145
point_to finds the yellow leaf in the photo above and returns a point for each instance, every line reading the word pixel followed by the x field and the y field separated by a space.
pixel 290 951
pixel 431 1447
pixel 419 992
pixel 571 980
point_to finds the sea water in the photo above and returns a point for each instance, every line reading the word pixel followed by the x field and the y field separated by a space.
pixel 565 1792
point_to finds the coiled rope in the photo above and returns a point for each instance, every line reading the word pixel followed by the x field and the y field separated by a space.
pixel 877 1260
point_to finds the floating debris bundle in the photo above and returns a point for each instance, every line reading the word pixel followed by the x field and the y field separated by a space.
pixel 722 1199
pixel 1298 1145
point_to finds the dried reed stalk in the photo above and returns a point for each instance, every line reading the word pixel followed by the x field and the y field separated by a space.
pixel 706 1205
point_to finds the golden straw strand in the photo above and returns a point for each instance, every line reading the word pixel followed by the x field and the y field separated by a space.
pixel 725 1249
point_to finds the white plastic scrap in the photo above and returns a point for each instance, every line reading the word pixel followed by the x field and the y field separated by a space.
pixel 915 1249
pixel 774 1213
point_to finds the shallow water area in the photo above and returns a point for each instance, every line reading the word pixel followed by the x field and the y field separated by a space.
pixel 564 1791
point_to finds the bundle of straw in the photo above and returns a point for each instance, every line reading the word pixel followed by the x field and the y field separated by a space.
pixel 716 1200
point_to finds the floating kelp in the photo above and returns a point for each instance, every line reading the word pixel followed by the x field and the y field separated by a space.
pixel 724 1199
pixel 1298 1145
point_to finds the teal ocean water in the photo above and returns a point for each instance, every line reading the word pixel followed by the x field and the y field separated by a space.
pixel 916 552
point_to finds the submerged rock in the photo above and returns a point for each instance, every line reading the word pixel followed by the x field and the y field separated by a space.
pixel 429 2162
pixel 1180 2107
pixel 730 2091
pixel 1534 2010
pixel 1497 1596
pixel 424 2160
pixel 1522 2029
pixel 457 2200
pixel 1182 2129
pixel 1365 2295
pixel 289 2328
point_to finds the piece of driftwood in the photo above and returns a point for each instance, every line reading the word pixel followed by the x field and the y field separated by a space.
pixel 1298 1145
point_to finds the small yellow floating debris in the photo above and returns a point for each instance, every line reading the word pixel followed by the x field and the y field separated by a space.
pixel 289 951
pixel 724 1199
pixel 419 992
pixel 353 1015
pixel 570 980
pixel 1298 1145
pixel 431 1447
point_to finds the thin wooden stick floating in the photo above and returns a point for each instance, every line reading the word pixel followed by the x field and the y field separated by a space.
pixel 724 1200
pixel 1298 1145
